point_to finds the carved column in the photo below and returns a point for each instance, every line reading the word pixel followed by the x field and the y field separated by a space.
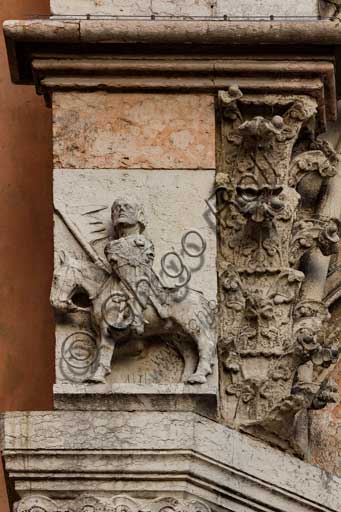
pixel 196 212
pixel 272 180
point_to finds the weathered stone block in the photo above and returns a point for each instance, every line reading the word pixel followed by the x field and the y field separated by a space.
pixel 150 362
pixel 267 7
pixel 184 8
pixel 138 397
pixel 101 7
pixel 143 131
pixel 134 7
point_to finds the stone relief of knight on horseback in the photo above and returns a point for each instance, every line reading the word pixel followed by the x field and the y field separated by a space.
pixel 126 298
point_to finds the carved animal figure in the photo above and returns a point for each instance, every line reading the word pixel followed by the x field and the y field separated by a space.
pixel 83 286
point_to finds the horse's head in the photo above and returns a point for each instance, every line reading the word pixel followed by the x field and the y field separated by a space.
pixel 67 285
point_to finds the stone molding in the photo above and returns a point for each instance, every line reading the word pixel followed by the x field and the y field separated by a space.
pixel 315 78
pixel 201 56
pixel 321 32
pixel 140 453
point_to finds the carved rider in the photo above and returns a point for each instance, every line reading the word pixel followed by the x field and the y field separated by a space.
pixel 131 257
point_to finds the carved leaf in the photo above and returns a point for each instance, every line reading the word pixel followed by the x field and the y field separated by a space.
pixel 36 503
pixel 310 161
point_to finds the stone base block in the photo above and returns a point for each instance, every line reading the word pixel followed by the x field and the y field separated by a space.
pixel 85 461
pixel 137 397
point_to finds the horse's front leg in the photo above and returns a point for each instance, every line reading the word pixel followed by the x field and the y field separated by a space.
pixel 206 350
pixel 105 352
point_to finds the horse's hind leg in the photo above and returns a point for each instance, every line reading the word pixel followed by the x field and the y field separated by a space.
pixel 105 353
pixel 186 353
pixel 206 349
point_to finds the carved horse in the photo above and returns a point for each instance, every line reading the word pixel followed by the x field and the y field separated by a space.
pixel 81 286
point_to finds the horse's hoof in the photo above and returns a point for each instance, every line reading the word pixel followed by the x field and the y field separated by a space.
pixel 97 378
pixel 197 378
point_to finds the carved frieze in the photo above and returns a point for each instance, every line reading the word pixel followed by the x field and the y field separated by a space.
pixel 271 220
pixel 120 503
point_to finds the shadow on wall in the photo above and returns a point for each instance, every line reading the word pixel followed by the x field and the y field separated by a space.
pixel 26 321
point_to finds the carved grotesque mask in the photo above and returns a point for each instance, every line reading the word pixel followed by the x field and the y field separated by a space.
pixel 260 203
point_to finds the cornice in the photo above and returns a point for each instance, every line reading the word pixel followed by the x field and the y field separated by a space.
pixel 152 452
pixel 137 55
pixel 265 39
pixel 203 32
